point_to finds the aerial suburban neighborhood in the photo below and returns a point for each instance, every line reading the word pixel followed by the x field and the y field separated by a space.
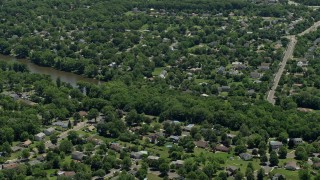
pixel 168 89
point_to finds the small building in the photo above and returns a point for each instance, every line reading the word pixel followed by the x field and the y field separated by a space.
pixel 83 114
pixel 275 145
pixel 138 155
pixel 153 138
pixel 231 170
pixel 264 66
pixel 255 75
pixel 224 88
pixel 91 128
pixel 49 131
pixel 201 144
pixel 15 148
pixel 66 173
pixel 222 148
pixel 292 165
pixel 10 166
pixel 39 136
pixel 61 124
pixel 26 143
pixel 174 139
pixel 316 165
pixel 297 141
pixel 116 147
pixel 245 156
pixel 302 63
pixel 231 136
pixel 177 163
pixel 153 158
pixel 278 176
pixel 221 70
pixel 77 155
pixel 188 127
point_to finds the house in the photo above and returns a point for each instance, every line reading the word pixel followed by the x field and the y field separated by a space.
pixel 77 155
pixel 255 75
pixel 153 138
pixel 231 136
pixel 95 141
pixel 297 141
pixel 14 96
pixel 26 144
pixel 278 177
pixel 224 88
pixel 138 155
pixel 188 127
pixel 177 163
pixel 83 114
pixel 292 165
pixel 34 162
pixel 153 158
pixel 163 74
pixel 264 66
pixel 275 145
pixel 251 92
pixel 316 165
pixel 66 173
pixel 222 148
pixel 61 124
pixel 16 148
pixel 91 128
pixel 302 63
pixel 245 156
pixel 221 70
pixel 174 139
pixel 10 166
pixel 240 67
pixel 231 170
pixel 116 147
pixel 39 136
pixel 49 131
pixel 201 144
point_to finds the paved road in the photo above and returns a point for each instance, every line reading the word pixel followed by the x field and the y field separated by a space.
pixel 64 134
pixel 79 126
pixel 310 29
pixel 287 55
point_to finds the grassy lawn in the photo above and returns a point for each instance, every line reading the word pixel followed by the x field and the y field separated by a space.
pixel 157 71
pixel 292 175
pixel 153 177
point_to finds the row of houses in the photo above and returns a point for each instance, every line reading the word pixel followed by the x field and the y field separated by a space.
pixel 47 132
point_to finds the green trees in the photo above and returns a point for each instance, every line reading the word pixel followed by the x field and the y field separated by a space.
pixel 187 143
pixel 282 152
pixel 164 168
pixel 126 163
pixel 260 174
pixel 301 153
pixel 273 158
pixel 66 146
pixel 54 138
pixel 25 153
pixel 41 147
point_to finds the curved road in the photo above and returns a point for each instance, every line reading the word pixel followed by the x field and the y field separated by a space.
pixel 287 55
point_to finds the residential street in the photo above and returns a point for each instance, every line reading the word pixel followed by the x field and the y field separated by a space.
pixel 288 54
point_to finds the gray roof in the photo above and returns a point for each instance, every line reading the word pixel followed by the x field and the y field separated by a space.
pixel 276 143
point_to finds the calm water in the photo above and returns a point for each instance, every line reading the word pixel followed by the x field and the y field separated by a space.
pixel 53 73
